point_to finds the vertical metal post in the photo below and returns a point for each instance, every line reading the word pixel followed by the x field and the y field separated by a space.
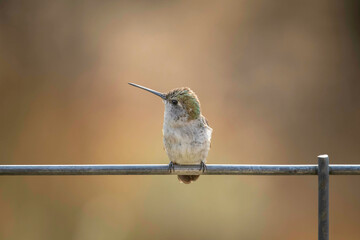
pixel 323 184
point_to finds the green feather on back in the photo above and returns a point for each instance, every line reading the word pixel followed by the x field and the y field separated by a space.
pixel 188 100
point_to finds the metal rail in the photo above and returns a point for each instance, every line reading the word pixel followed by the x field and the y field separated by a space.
pixel 163 169
pixel 323 170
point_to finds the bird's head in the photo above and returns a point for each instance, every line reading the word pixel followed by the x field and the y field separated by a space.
pixel 181 104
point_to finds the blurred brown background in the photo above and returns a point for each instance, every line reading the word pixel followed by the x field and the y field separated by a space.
pixel 278 81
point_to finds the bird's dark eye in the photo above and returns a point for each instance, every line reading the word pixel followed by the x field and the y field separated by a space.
pixel 175 102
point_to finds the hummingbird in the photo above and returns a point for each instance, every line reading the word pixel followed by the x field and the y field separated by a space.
pixel 186 132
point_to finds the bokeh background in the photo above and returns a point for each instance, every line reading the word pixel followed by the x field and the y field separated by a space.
pixel 278 82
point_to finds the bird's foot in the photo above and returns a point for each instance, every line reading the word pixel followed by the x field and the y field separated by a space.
pixel 171 167
pixel 203 167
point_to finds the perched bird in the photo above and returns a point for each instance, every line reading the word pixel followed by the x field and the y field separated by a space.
pixel 187 134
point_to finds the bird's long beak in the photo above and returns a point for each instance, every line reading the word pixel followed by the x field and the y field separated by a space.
pixel 150 90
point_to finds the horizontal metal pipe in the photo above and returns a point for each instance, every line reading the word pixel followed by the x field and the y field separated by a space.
pixel 342 169
pixel 162 169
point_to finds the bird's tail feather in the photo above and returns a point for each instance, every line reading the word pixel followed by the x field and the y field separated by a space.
pixel 187 179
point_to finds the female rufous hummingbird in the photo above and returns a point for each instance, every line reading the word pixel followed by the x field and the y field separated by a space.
pixel 187 134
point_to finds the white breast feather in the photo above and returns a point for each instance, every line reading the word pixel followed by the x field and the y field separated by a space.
pixel 187 142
